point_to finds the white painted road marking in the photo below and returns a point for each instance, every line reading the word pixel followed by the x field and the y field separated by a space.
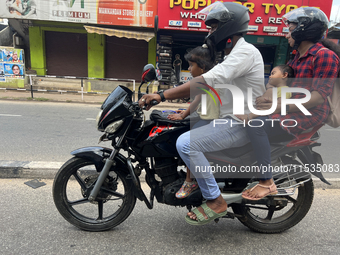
pixel 10 115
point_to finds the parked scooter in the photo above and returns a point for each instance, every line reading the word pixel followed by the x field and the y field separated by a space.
pixel 97 188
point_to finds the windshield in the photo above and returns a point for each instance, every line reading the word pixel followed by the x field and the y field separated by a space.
pixel 118 94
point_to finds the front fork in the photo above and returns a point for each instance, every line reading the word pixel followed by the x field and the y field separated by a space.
pixel 102 176
pixel 107 166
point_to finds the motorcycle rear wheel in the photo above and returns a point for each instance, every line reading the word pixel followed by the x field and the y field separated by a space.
pixel 276 219
pixel 71 187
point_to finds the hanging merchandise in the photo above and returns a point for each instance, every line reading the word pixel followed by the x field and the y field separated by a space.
pixel 164 59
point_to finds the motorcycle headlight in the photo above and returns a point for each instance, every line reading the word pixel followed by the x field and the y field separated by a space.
pixel 113 127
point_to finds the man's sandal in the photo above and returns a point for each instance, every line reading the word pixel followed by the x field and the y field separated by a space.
pixel 271 191
pixel 201 220
pixel 186 189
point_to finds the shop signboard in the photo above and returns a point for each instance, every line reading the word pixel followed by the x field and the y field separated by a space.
pixel 11 63
pixel 139 13
pixel 119 12
pixel 265 16
pixel 185 76
pixel 83 11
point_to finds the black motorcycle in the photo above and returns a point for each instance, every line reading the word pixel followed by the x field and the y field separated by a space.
pixel 97 189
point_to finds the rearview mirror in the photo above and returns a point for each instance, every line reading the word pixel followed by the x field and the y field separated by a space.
pixel 149 73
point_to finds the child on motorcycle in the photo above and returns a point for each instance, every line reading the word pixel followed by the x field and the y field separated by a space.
pixel 201 59
pixel 280 77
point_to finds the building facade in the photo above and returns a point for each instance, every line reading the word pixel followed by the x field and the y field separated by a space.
pixel 94 38
pixel 180 28
pixel 60 43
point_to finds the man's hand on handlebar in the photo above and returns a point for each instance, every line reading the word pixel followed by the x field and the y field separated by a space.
pixel 149 100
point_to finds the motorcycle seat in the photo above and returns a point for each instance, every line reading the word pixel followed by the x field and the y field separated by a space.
pixel 281 139
pixel 239 151
pixel 161 117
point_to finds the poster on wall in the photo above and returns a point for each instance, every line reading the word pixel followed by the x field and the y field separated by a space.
pixel 14 70
pixel 265 16
pixel 12 55
pixel 120 12
pixel 11 63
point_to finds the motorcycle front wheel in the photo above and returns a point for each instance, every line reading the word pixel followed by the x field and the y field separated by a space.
pixel 72 186
pixel 286 210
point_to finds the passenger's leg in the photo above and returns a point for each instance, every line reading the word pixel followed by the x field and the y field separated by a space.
pixel 191 147
pixel 259 137
pixel 190 184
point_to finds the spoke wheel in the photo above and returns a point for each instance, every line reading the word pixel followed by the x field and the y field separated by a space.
pixel 279 213
pixel 72 186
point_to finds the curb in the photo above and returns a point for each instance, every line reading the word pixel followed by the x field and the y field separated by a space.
pixel 29 169
pixel 48 170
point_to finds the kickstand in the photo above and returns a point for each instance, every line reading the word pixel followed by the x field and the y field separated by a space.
pixel 189 207
pixel 217 220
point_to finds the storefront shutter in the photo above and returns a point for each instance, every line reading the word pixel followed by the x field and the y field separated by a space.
pixel 66 54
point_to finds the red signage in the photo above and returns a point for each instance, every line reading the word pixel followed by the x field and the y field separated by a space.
pixel 139 13
pixel 265 16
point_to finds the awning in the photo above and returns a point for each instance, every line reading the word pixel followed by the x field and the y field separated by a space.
pixel 120 33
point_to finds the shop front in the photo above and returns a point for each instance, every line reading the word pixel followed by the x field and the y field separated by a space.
pixel 182 28
pixel 61 45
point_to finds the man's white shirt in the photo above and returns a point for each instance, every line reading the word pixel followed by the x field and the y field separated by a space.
pixel 244 68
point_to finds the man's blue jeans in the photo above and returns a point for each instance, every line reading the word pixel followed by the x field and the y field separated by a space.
pixel 208 138
pixel 259 137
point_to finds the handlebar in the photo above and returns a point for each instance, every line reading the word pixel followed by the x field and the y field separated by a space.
pixel 153 102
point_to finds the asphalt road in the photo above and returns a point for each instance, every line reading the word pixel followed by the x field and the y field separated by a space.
pixel 30 224
pixel 45 131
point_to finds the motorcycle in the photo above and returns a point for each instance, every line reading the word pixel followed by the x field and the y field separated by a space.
pixel 97 188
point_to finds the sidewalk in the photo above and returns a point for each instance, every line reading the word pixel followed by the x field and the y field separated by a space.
pixel 70 98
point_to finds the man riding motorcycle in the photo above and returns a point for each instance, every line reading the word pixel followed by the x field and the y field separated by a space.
pixel 97 188
pixel 243 67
